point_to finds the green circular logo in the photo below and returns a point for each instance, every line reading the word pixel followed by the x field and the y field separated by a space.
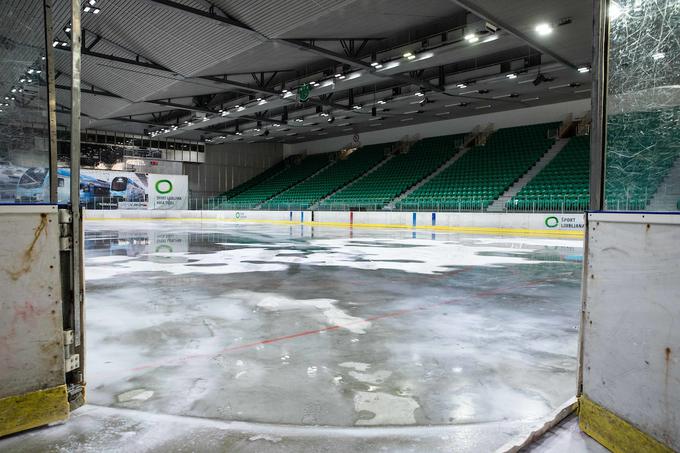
pixel 552 221
pixel 163 248
pixel 238 214
pixel 163 186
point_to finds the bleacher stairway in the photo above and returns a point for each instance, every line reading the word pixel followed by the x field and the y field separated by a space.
pixel 324 168
pixel 443 167
pixel 667 195
pixel 499 204
pixel 360 177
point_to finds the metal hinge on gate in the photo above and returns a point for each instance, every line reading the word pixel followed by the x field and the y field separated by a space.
pixel 71 361
pixel 65 232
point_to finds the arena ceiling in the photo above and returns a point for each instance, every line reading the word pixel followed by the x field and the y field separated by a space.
pixel 229 70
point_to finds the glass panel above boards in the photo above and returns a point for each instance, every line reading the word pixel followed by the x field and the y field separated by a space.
pixel 24 134
pixel 643 106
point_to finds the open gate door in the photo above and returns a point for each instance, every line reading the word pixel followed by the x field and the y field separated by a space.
pixel 40 350
pixel 41 284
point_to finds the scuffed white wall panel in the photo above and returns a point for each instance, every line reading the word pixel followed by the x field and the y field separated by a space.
pixel 31 339
pixel 631 342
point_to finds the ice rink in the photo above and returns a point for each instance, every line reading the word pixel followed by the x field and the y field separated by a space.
pixel 246 337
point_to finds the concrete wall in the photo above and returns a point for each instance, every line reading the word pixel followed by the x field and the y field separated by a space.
pixel 491 223
pixel 228 165
pixel 631 328
pixel 520 117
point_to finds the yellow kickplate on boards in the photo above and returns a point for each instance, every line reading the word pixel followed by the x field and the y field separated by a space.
pixel 613 432
pixel 30 410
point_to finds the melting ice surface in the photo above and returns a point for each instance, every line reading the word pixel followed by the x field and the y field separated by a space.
pixel 289 325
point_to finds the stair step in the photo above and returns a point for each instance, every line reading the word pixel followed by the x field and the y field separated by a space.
pixel 441 168
pixel 499 204
pixel 316 204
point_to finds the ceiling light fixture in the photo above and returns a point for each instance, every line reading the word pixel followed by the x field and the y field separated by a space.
pixel 461 85
pixel 471 37
pixel 658 56
pixel 419 94
pixel 378 66
pixel 543 29
pixel 374 63
pixel 408 55
pixel 583 69
pixel 512 75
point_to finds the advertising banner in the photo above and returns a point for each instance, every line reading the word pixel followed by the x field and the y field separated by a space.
pixel 99 189
pixel 168 191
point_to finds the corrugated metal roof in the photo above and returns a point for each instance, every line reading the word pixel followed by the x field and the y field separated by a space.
pixel 184 43
pixel 191 45
pixel 268 56
pixel 273 19
pixel 374 18
pixel 137 109
pixel 130 82
pixel 92 104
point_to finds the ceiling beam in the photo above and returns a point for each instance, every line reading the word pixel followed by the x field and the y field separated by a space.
pixel 405 79
pixel 325 53
pixel 130 61
pixel 173 105
pixel 480 12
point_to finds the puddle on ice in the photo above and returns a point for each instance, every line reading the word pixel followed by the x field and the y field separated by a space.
pixel 386 409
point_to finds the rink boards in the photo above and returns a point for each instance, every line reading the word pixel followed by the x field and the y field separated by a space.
pixel 543 224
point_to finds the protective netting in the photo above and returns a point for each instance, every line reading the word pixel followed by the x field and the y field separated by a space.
pixel 643 113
